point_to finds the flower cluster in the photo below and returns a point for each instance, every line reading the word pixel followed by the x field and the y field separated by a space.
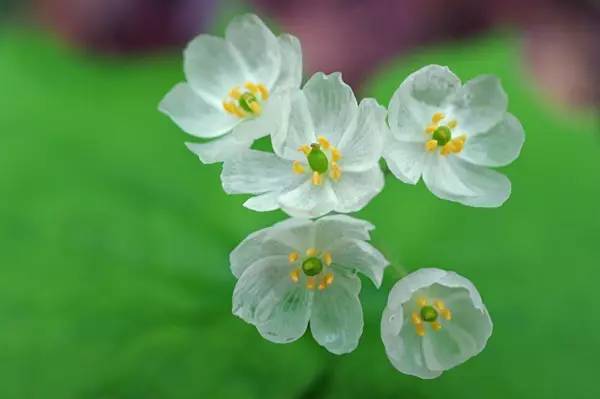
pixel 327 152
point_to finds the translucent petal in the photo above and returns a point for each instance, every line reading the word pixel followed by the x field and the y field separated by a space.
pixel 212 67
pixel 337 320
pixel 220 149
pixel 266 297
pixel 332 105
pixel 308 200
pixel 297 132
pixel 362 144
pixel 334 227
pixel 194 114
pixel 405 159
pixel 454 179
pixel 290 72
pixel 353 254
pixel 498 146
pixel 257 46
pixel 355 189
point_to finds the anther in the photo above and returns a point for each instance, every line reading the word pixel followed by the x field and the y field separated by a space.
pixel 297 167
pixel 336 154
pixel 324 142
pixel 252 87
pixel 335 172
pixel 255 107
pixel 316 179
pixel 431 145
pixel 293 256
pixel 439 304
pixel 327 258
pixel 310 283
pixel 295 275
pixel 235 93
pixel 452 124
pixel 322 285
pixel 421 302
pixel 446 314
pixel 304 149
pixel 420 328
pixel 311 252
pixel 328 279
pixel 264 92
pixel 431 128
pixel 436 326
pixel 416 319
pixel 437 117
pixel 447 149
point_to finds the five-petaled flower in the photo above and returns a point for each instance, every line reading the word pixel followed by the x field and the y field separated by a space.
pixel 450 133
pixel 326 154
pixel 434 320
pixel 300 271
pixel 234 87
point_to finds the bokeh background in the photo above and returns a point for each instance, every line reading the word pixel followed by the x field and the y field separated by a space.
pixel 114 239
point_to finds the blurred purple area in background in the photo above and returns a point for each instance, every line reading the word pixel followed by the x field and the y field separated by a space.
pixel 560 37
pixel 118 26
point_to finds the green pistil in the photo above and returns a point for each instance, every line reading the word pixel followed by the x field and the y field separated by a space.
pixel 245 100
pixel 317 159
pixel 312 266
pixel 442 135
pixel 428 313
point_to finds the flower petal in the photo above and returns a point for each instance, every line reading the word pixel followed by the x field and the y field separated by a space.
pixel 334 227
pixel 194 114
pixel 256 172
pixel 405 159
pixel 451 178
pixel 361 145
pixel 356 189
pixel 220 149
pixel 332 105
pixel 337 319
pixel 479 105
pixel 422 94
pixel 498 146
pixel 353 254
pixel 308 200
pixel 290 72
pixel 298 130
pixel 212 68
pixel 404 289
pixel 266 297
pixel 257 46
pixel 402 345
pixel 273 119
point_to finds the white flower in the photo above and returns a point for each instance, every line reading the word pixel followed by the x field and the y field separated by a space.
pixel 434 320
pixel 301 270
pixel 450 133
pixel 326 154
pixel 234 84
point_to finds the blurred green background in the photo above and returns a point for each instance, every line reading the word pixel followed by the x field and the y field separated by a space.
pixel 114 243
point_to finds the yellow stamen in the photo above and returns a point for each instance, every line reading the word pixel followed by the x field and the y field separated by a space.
pixel 416 319
pixel 446 314
pixel 293 256
pixel 324 142
pixel 462 138
pixel 422 302
pixel 295 275
pixel 255 107
pixel 420 330
pixel 305 149
pixel 452 124
pixel 322 285
pixel 447 149
pixel 328 279
pixel 436 326
pixel 311 252
pixel 316 179
pixel 297 167
pixel 431 128
pixel 335 172
pixel 431 145
pixel 336 155
pixel 327 258
pixel 252 87
pixel 235 93
pixel 310 283
pixel 437 117
pixel 229 107
pixel 439 304
pixel 264 92
pixel 456 145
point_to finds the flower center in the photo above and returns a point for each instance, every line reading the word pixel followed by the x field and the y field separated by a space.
pixel 246 101
pixel 441 136
pixel 426 313
pixel 312 266
pixel 312 269
pixel 321 157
